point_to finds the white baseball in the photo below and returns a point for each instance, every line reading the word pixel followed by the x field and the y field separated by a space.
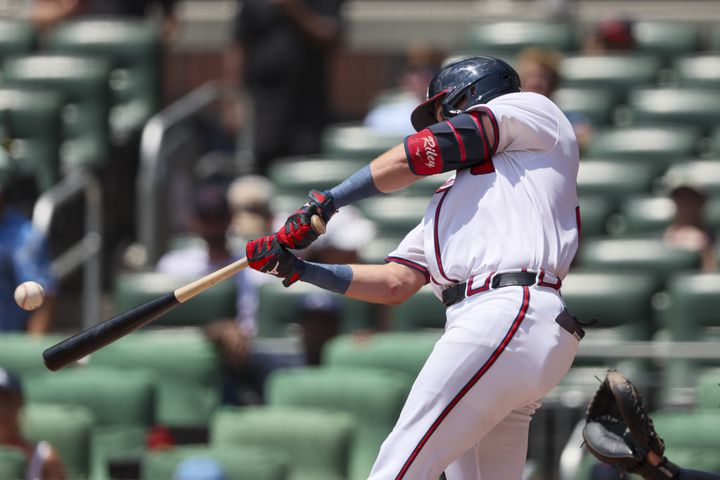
pixel 29 295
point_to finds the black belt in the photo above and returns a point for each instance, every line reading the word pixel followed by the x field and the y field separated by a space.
pixel 455 293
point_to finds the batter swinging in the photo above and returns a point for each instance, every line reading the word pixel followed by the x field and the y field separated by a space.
pixel 495 243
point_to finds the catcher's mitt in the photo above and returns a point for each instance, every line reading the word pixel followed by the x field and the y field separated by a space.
pixel 620 432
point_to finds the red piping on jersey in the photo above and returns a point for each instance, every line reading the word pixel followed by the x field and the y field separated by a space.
pixel 486 366
pixel 478 122
pixel 493 121
pixel 409 263
pixel 578 221
pixel 484 287
pixel 461 144
pixel 542 283
pixel 437 240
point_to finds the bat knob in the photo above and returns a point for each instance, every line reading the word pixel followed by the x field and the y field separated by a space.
pixel 317 224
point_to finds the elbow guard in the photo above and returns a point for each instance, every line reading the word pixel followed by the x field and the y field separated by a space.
pixel 459 142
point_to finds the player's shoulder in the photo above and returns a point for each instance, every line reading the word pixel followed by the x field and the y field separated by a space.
pixel 526 99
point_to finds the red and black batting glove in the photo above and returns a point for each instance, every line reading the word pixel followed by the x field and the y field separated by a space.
pixel 266 255
pixel 297 233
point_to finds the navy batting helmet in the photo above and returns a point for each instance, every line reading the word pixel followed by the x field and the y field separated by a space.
pixel 463 84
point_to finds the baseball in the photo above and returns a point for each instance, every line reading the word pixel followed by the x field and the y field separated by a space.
pixel 29 295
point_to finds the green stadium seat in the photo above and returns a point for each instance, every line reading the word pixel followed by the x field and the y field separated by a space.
pixel 298 175
pixel 83 81
pixel 613 73
pixel 691 438
pixel 395 215
pixel 278 309
pixel 675 106
pixel 115 443
pixel 12 463
pixel 184 366
pixel 17 37
pixel 636 255
pixel 32 119
pixel 614 180
pixel 354 142
pixel 664 144
pixel 642 215
pixel 596 105
pixel 398 351
pixel 21 353
pixel 376 251
pixel 136 288
pixel 666 39
pixel 373 397
pixel 316 443
pixel 426 186
pixel 246 463
pixel 115 397
pixel 133 48
pixel 704 174
pixel 595 210
pixel 702 71
pixel 709 390
pixel 511 37
pixel 421 311
pixel 67 427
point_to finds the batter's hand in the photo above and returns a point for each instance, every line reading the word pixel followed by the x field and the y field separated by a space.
pixel 266 255
pixel 298 233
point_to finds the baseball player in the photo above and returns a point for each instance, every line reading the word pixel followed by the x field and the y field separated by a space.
pixel 495 242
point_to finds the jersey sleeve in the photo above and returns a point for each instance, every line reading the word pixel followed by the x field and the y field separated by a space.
pixel 411 252
pixel 523 121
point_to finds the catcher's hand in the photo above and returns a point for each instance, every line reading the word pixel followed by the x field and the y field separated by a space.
pixel 266 255
pixel 620 432
pixel 299 231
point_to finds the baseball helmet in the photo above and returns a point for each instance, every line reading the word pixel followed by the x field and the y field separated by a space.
pixel 465 83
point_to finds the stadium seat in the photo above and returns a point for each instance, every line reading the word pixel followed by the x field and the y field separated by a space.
pixel 613 73
pixel 395 215
pixel 135 288
pixel 597 105
pixel 675 106
pixel 666 39
pixel 13 463
pixel 354 142
pixel 595 210
pixel 298 175
pixel 651 214
pixel 17 37
pixel 426 186
pixel 704 174
pixel 511 37
pixel 421 311
pixel 21 353
pixel 83 81
pixel 373 397
pixel 316 443
pixel 133 48
pixel 185 369
pixel 709 390
pixel 67 427
pixel 702 71
pixel 398 351
pixel 614 180
pixel 691 438
pixel 279 306
pixel 657 144
pixel 32 119
pixel 237 463
pixel 376 251
pixel 636 255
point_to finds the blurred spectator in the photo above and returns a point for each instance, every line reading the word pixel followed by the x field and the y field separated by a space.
pixel 47 13
pixel 24 256
pixel 280 56
pixel 688 230
pixel 43 461
pixel 250 198
pixel 319 317
pixel 210 220
pixel 421 64
pixel 199 468
pixel 611 35
pixel 539 72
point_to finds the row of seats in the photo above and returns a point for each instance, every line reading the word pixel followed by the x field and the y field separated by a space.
pixel 94 84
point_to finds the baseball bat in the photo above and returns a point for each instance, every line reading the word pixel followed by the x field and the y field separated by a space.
pixel 98 336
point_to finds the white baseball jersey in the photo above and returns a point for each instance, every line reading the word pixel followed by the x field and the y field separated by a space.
pixel 519 212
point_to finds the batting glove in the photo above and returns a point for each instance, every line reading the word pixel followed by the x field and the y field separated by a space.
pixel 297 233
pixel 266 255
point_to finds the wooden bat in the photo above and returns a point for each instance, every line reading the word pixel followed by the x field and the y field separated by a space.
pixel 96 337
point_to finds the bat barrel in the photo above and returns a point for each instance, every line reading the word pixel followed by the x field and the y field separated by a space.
pixel 94 338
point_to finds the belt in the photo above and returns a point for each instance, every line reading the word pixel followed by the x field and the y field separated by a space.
pixel 455 293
